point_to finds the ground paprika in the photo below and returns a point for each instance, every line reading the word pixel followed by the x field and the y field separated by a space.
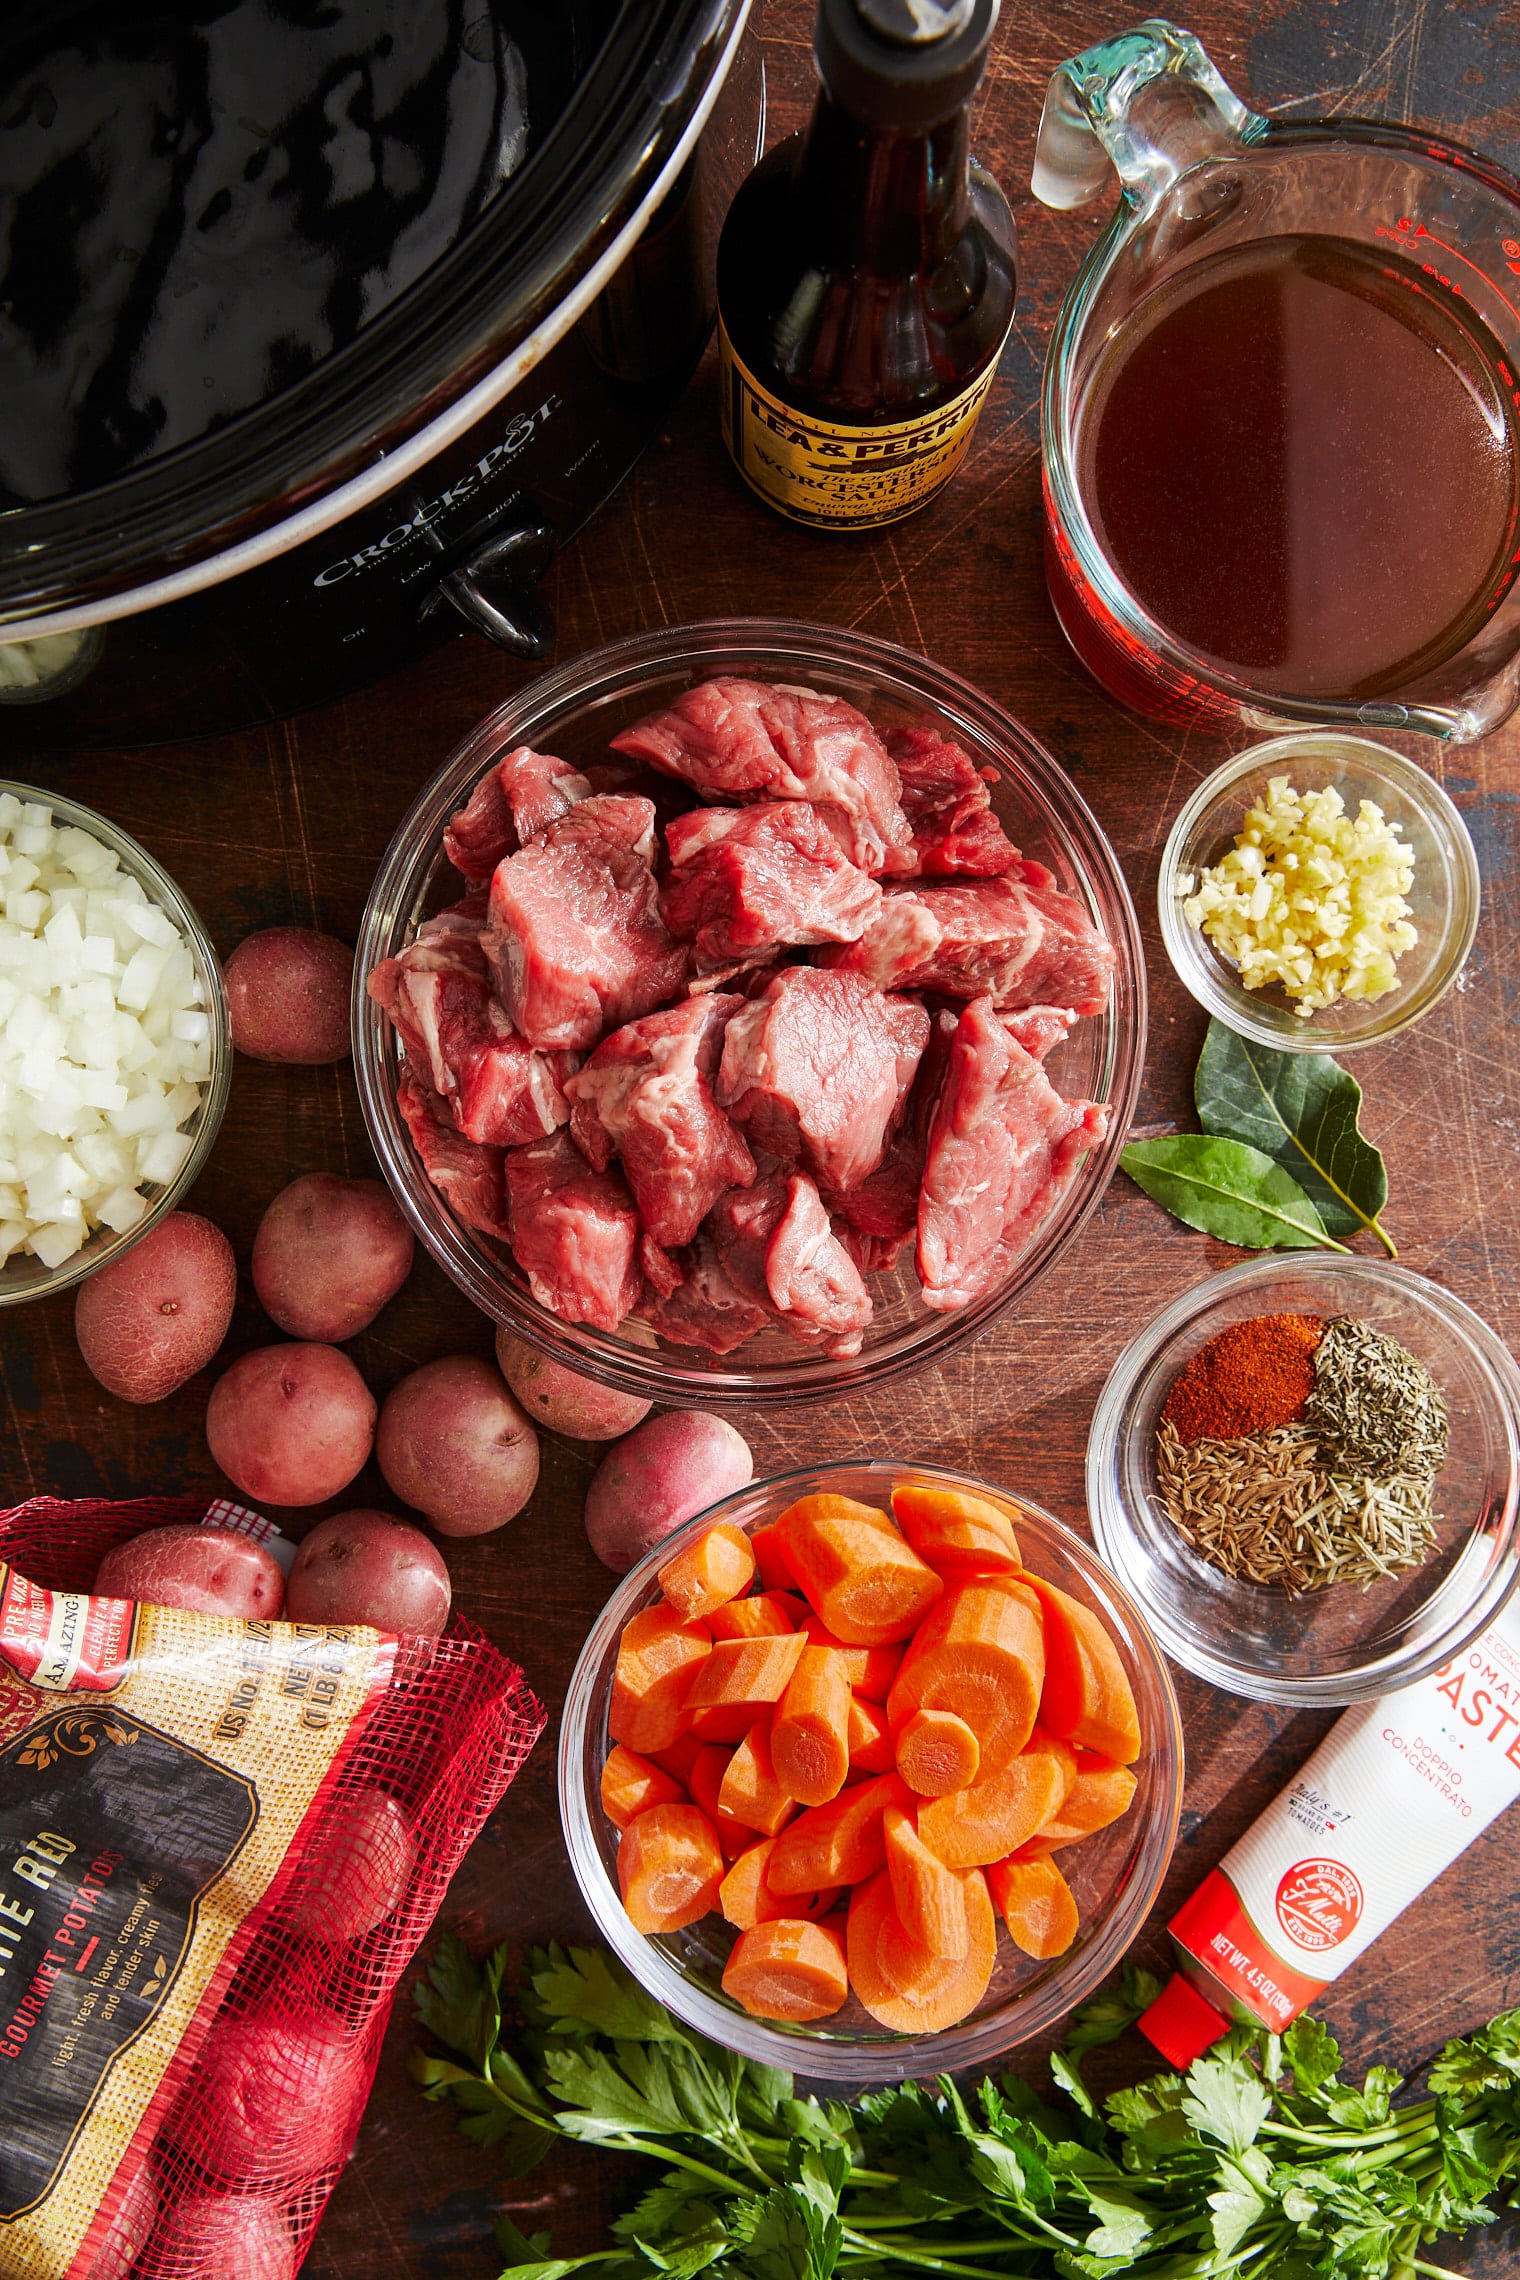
pixel 1249 1379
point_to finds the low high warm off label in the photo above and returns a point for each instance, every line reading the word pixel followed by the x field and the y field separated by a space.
pixel 835 477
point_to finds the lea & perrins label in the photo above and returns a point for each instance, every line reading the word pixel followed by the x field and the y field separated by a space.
pixel 835 477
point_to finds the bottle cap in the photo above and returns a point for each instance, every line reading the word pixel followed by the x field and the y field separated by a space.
pixel 1182 2023
pixel 903 63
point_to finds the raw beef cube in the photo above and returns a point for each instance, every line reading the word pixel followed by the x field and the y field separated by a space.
pixel 500 1090
pixel 779 1252
pixel 819 1067
pixel 646 1095
pixel 746 882
pixel 662 1270
pixel 810 1275
pixel 746 740
pixel 520 797
pixel 439 969
pixel 948 807
pixel 575 1233
pixel 704 1308
pixel 880 1216
pixel 469 1178
pixel 1020 944
pixel 575 937
pixel 1039 1028
pixel 1003 1148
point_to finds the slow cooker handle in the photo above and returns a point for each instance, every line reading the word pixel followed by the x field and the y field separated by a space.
pixel 496 590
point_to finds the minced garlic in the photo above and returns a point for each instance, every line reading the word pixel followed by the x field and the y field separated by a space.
pixel 1310 897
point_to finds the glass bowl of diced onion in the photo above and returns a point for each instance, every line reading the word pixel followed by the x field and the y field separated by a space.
pixel 1114 1875
pixel 103 1131
pixel 1442 895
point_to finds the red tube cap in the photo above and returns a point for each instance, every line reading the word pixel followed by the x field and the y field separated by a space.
pixel 1182 2023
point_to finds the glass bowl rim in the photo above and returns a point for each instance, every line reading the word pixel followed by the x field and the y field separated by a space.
pixel 596 676
pixel 1202 976
pixel 971 2043
pixel 1115 1533
pixel 176 904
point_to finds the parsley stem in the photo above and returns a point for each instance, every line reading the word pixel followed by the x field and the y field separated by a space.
pixel 924 2262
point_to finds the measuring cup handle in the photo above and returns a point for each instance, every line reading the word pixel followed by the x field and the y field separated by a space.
pixel 1146 105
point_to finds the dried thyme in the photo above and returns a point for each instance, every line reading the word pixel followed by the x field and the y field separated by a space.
pixel 1374 1407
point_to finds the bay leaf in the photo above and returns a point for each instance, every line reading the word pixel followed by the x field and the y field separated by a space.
pixel 1301 1109
pixel 1227 1189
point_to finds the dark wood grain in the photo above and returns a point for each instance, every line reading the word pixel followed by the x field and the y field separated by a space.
pixel 289 822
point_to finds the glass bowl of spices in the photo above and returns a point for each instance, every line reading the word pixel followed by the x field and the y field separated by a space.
pixel 1318 892
pixel 1307 1473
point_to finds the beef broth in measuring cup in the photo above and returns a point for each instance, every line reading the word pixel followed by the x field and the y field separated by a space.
pixel 1282 467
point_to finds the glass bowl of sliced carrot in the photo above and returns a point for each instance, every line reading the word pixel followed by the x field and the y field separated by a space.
pixel 870 1770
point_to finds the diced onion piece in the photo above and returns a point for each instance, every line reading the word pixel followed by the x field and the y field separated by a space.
pixel 105 1043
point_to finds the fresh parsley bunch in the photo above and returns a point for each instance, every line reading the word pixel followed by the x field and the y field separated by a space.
pixel 1259 2162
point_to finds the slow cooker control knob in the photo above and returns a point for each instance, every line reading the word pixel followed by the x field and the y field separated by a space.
pixel 496 589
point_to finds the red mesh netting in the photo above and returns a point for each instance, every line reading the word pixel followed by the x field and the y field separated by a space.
pixel 235 2161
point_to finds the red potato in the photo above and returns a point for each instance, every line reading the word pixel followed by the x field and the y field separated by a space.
pixel 454 1443
pixel 277 2094
pixel 562 1399
pixel 210 1571
pixel 224 2236
pixel 288 990
pixel 357 1870
pixel 129 2229
pixel 664 1473
pixel 328 1255
pixel 369 1567
pixel 291 1424
pixel 156 1315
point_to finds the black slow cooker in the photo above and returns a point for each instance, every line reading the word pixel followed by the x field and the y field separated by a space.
pixel 323 323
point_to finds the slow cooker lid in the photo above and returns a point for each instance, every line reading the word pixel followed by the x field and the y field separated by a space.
pixel 530 135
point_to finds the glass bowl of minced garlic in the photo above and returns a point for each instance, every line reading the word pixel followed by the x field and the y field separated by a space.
pixel 1318 892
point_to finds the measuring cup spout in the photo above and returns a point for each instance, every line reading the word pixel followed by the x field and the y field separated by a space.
pixel 1146 105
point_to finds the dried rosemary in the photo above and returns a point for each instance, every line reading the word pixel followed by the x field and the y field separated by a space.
pixel 1266 1509
pixel 1343 1494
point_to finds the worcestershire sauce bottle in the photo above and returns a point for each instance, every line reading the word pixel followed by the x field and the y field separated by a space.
pixel 866 274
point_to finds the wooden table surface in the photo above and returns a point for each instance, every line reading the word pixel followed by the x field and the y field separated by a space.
pixel 287 824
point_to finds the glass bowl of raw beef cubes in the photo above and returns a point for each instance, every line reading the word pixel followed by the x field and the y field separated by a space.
pixel 749 1011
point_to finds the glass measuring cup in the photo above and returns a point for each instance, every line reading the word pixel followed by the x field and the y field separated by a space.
pixel 1201 175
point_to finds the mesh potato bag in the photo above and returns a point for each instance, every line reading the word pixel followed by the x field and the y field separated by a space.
pixel 220 1845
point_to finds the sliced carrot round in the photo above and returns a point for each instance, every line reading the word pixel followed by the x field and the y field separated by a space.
pixel 706 1786
pixel 930 1899
pixel 788 1969
pixel 870 1738
pixel 871 1670
pixel 767 1614
pixel 937 1753
pixel 903 1983
pixel 713 1568
pixel 1004 1809
pixel 659 1656
pixel 751 1791
pixel 1086 1698
pixel 980 1653
pixel 669 1868
pixel 746 1898
pixel 840 1842
pixel 631 1784
pixel 857 1571
pixel 955 1533
pixel 810 1733
pixel 1035 1902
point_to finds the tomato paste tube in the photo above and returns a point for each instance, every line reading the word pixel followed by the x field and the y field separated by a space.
pixel 1394 1792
